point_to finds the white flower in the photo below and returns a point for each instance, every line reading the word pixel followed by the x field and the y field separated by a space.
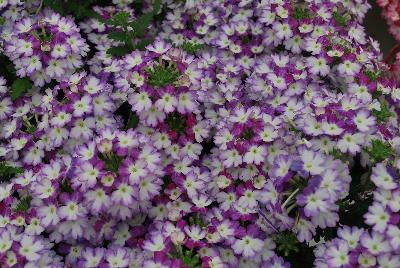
pixel 364 121
pixel 377 217
pixel 394 233
pixel 351 143
pixel 248 200
pixel 140 101
pixel 381 178
pixel 231 158
pixel 71 211
pixel 48 215
pixel 312 162
pixel 155 244
pixel 248 246
pixel 318 65
pixel 349 68
pixel 282 30
pixel 123 194
pixel 255 154
pixel 5 241
pixel 167 103
pixel 30 248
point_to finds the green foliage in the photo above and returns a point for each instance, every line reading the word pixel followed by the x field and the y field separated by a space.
pixel 19 87
pixel 384 114
pixel 286 243
pixel 192 48
pixel 8 172
pixel 188 257
pixel 78 8
pixel 176 122
pixel 126 31
pixel 24 204
pixel 112 162
pixel 372 75
pixel 196 219
pixel 161 76
pixel 65 187
pixel 133 121
pixel 380 151
pixel 341 19
pixel 247 134
pixel 300 13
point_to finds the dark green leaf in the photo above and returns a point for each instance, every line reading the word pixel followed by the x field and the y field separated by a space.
pixel 300 13
pixel 191 47
pixel 65 187
pixel 161 76
pixel 133 121
pixel 119 36
pixel 8 172
pixel 380 151
pixel 24 204
pixel 19 87
pixel 286 243
pixel 384 114
pixel 119 19
pixel 340 19
pixel 120 50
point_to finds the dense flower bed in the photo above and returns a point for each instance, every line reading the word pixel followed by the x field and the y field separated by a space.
pixel 210 133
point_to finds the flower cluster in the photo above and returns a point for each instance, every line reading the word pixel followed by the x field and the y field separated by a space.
pixel 45 47
pixel 245 134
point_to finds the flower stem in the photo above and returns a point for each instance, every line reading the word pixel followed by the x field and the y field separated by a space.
pixel 290 197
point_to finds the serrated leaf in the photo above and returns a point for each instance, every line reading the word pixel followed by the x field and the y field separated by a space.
pixel 141 45
pixel 118 36
pixel 384 114
pixel 120 50
pixel 141 23
pixel 156 7
pixel 8 172
pixel 380 151
pixel 133 121
pixel 19 87
pixel 24 205
pixel 119 19
pixel 191 47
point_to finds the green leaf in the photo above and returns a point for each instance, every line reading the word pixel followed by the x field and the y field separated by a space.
pixel 141 24
pixel 65 187
pixel 19 87
pixel 120 50
pixel 8 172
pixel 24 204
pixel 372 75
pixel 176 122
pixel 156 7
pixel 161 76
pixel 341 19
pixel 191 47
pixel 300 13
pixel 141 45
pixel 133 121
pixel 384 114
pixel 112 162
pixel 286 242
pixel 119 19
pixel 380 151
pixel 119 36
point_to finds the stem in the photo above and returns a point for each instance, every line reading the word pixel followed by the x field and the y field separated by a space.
pixel 391 53
pixel 290 197
pixel 267 220
pixel 39 8
pixel 291 207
